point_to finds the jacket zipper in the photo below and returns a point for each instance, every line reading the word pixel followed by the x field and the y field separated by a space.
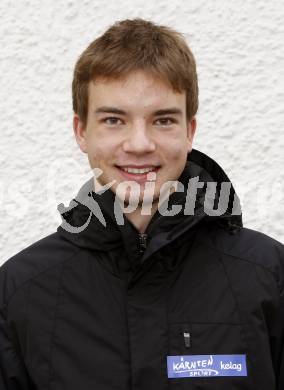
pixel 186 336
pixel 142 242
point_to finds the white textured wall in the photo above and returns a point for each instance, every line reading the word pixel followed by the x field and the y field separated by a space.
pixel 239 50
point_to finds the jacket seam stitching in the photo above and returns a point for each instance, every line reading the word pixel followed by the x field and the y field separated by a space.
pixel 54 325
pixel 206 323
pixel 27 319
pixel 242 259
pixel 6 304
pixel 240 313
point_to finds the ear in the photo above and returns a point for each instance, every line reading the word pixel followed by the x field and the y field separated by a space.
pixel 80 133
pixel 191 127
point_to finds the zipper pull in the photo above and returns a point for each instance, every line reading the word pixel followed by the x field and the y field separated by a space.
pixel 142 242
pixel 186 337
pixel 187 342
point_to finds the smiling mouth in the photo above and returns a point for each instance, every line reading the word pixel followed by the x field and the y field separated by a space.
pixel 138 169
pixel 137 173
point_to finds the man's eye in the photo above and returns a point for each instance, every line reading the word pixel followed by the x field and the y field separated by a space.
pixel 166 121
pixel 111 120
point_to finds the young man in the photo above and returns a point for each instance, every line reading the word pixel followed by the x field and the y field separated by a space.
pixel 149 283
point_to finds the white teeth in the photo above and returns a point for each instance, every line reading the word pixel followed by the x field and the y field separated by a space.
pixel 135 170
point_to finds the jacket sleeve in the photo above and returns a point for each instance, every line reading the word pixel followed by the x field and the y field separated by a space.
pixel 277 328
pixel 278 345
pixel 13 374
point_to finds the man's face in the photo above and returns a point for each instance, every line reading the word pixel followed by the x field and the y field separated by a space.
pixel 135 125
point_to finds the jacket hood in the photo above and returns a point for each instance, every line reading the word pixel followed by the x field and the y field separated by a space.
pixel 91 222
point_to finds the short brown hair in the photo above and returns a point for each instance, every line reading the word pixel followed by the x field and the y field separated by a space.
pixel 136 44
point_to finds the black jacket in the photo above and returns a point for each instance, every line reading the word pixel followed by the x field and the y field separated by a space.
pixel 195 303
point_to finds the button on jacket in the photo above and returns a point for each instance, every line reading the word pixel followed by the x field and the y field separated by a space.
pixel 196 302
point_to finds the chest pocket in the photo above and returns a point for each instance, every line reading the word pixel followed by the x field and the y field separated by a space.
pixel 199 355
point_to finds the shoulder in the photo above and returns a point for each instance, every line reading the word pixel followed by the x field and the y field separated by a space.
pixel 39 257
pixel 248 246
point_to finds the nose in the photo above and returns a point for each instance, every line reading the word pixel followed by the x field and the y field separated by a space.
pixel 139 140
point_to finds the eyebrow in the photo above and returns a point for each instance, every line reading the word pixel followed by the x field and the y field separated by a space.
pixel 114 110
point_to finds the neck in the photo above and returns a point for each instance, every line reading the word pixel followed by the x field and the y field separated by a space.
pixel 139 220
